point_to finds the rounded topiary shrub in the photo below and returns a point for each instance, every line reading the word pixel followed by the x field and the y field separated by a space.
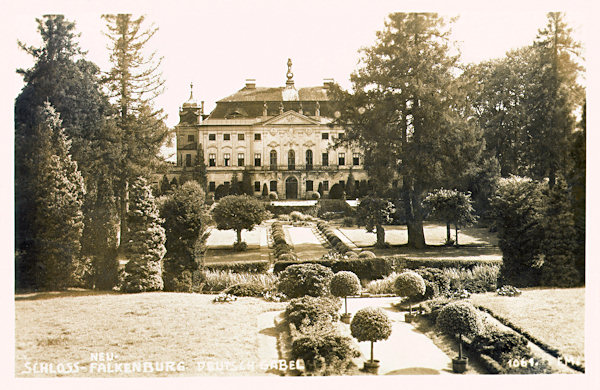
pixel 273 196
pixel 315 196
pixel 410 284
pixel 352 255
pixel 371 324
pixel 344 283
pixel 366 255
pixel 240 246
pixel 287 257
pixel 322 349
pixel 299 280
pixel 459 318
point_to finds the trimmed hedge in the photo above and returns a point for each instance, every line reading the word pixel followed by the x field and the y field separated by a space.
pixel 309 310
pixel 258 267
pixel 436 263
pixel 305 279
pixel 369 269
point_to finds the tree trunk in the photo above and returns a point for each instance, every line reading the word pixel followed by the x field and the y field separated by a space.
pixel 124 210
pixel 380 236
pixel 239 236
pixel 346 305
pixel 456 234
pixel 414 221
pixel 460 346
pixel 371 351
pixel 448 237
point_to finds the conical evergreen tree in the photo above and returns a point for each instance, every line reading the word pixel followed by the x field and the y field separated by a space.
pixel 145 246
pixel 59 193
pixel 558 246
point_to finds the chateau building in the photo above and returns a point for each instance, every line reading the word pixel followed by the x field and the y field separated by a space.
pixel 278 136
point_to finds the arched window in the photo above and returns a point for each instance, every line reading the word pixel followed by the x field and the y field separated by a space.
pixel 309 159
pixel 273 159
pixel 291 160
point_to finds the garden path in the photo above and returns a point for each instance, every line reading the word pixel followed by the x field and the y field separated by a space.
pixel 406 351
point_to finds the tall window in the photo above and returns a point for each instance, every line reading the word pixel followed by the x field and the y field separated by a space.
pixel 211 186
pixel 273 186
pixel 325 185
pixel 309 185
pixel 341 158
pixel 325 159
pixel 309 159
pixel 273 159
pixel 212 160
pixel 240 159
pixel 188 160
pixel 256 186
pixel 291 160
pixel 190 138
pixel 257 159
pixel 240 136
pixel 355 159
pixel 226 158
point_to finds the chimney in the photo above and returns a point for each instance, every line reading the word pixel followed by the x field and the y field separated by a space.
pixel 327 83
pixel 250 83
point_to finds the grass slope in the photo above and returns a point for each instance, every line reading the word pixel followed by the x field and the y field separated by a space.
pixel 138 327
pixel 555 316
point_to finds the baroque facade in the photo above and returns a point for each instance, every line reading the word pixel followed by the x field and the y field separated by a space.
pixel 278 136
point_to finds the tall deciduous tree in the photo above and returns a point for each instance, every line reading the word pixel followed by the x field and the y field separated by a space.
pixel 134 81
pixel 407 112
pixel 145 246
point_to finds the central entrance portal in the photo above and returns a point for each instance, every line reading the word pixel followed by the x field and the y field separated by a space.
pixel 291 188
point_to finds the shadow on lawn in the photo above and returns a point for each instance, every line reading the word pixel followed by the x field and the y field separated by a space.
pixel 35 296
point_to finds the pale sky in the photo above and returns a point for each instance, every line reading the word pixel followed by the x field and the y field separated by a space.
pixel 217 45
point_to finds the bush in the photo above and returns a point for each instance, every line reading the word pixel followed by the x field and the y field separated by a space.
pixel 216 281
pixel 296 216
pixel 432 307
pixel 336 206
pixel 245 290
pixel 366 255
pixel 460 318
pixel 352 255
pixel 273 196
pixel 497 343
pixel 287 257
pixel 382 286
pixel 369 269
pixel 348 221
pixel 259 266
pixel 323 347
pixel 371 324
pixel 344 283
pixel 240 246
pixel 436 282
pixel 315 196
pixel 509 291
pixel 337 191
pixel 310 310
pixel 480 279
pixel 305 279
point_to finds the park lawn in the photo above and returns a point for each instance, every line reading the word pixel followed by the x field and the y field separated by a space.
pixel 435 234
pixel 228 255
pixel 68 327
pixel 556 316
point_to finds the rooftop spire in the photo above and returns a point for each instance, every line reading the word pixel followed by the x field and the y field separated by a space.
pixel 191 91
pixel 290 75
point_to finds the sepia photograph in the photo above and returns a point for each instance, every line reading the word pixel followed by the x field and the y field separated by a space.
pixel 241 192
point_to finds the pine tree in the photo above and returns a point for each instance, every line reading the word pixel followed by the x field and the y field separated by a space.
pixel 145 246
pixel 558 268
pixel 185 221
pixel 351 187
pixel 134 82
pixel 58 192
pixel 200 169
pixel 407 112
